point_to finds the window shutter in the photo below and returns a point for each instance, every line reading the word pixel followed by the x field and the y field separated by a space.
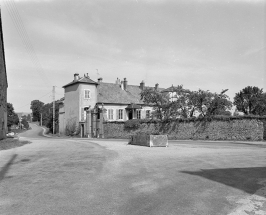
pixel 117 114
pixel 143 114
pixel 105 115
pixel 125 115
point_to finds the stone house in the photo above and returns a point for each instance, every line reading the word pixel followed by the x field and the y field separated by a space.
pixel 116 101
pixel 3 87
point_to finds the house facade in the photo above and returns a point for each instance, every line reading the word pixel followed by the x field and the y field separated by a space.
pixel 87 101
pixel 3 87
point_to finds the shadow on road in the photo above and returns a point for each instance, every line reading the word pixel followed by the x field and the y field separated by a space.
pixel 5 169
pixel 245 179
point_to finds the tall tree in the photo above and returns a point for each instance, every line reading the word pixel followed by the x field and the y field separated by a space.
pixel 36 107
pixel 25 123
pixel 12 117
pixel 261 107
pixel 28 118
pixel 47 112
pixel 182 102
pixel 160 102
pixel 251 100
pixel 220 104
pixel 185 103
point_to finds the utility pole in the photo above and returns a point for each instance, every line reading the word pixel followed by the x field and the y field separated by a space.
pixel 53 109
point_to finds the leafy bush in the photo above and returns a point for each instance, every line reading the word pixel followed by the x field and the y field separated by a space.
pixel 147 133
pixel 72 128
pixel 25 123
pixel 132 124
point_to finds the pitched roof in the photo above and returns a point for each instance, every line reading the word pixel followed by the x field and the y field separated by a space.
pixel 84 80
pixel 112 93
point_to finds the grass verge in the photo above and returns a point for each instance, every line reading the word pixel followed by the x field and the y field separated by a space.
pixel 10 143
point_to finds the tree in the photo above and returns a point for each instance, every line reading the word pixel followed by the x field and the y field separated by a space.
pixel 12 117
pixel 207 103
pixel 182 105
pixel 199 100
pixel 251 100
pixel 261 107
pixel 47 115
pixel 220 104
pixel 159 101
pixel 186 103
pixel 36 107
pixel 25 123
pixel 28 118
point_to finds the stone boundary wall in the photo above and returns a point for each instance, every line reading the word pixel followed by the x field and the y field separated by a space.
pixel 244 129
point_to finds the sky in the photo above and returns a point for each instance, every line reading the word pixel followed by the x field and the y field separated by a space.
pixel 200 44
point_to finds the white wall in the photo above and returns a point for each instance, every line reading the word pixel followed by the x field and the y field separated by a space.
pixel 115 109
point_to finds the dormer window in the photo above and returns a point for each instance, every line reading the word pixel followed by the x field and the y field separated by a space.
pixel 87 94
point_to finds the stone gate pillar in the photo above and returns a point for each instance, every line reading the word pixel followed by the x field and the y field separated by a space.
pixel 88 123
pixel 93 123
pixel 101 125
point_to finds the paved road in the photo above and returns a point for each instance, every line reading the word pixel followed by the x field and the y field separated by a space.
pixel 35 132
pixel 80 176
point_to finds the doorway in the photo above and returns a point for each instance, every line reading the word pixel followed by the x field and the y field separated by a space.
pixel 82 133
pixel 130 114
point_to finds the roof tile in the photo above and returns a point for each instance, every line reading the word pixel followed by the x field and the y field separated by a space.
pixel 112 93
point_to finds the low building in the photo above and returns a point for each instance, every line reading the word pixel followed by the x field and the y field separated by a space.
pixel 117 101
pixel 3 87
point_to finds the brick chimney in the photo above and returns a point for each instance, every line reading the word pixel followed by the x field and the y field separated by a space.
pixel 142 85
pixel 117 81
pixel 100 80
pixel 125 84
pixel 86 75
pixel 76 76
pixel 156 86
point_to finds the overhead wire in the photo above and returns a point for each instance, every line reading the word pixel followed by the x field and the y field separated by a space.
pixel 22 31
pixel 15 15
pixel 37 99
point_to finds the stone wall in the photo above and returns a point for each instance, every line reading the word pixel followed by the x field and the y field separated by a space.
pixel 244 129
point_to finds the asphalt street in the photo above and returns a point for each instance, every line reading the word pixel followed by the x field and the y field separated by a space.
pixel 87 176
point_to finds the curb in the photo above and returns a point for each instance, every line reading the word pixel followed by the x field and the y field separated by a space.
pixel 45 135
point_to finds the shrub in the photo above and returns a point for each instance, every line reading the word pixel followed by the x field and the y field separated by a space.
pixel 25 123
pixel 132 124
pixel 147 132
pixel 71 128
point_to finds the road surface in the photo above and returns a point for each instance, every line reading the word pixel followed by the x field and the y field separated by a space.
pixel 35 132
pixel 82 176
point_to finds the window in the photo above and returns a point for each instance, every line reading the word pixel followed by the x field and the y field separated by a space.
pixel 110 114
pixel 120 114
pixel 138 114
pixel 87 94
pixel 148 113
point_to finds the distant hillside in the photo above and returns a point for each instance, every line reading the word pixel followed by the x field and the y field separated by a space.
pixel 20 114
